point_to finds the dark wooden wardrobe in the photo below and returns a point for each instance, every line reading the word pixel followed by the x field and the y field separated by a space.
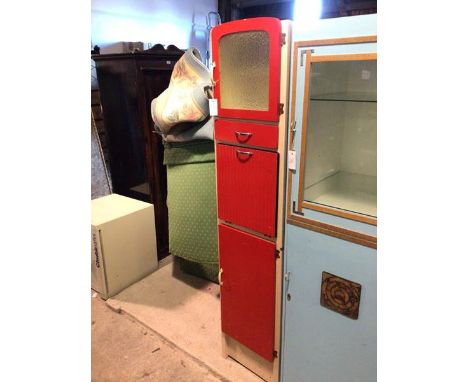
pixel 128 82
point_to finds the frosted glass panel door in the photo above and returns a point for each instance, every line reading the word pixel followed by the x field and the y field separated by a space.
pixel 244 61
pixel 246 55
pixel 341 138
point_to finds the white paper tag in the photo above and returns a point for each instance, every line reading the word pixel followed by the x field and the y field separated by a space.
pixel 291 159
pixel 213 104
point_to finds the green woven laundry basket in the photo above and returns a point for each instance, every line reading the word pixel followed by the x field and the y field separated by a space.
pixel 191 203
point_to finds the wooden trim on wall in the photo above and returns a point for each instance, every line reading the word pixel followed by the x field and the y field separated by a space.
pixel 344 231
pixel 336 41
pixel 306 223
pixel 335 231
pixel 341 213
pixel 343 57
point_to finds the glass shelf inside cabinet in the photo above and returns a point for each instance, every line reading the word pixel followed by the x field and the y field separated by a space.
pixel 341 138
pixel 345 97
pixel 347 191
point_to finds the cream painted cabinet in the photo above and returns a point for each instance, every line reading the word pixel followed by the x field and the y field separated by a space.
pixel 123 243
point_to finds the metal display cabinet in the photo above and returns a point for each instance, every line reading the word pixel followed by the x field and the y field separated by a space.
pixel 251 71
pixel 329 295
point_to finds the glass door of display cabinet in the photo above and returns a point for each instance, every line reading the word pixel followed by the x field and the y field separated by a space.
pixel 338 173
pixel 246 55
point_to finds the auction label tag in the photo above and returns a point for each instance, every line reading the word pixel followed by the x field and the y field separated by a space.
pixel 213 105
pixel 292 159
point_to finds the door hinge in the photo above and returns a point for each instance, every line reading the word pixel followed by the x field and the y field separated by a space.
pixel 296 211
pixel 303 53
pixel 275 354
pixel 292 134
pixel 281 108
pixel 283 39
pixel 277 253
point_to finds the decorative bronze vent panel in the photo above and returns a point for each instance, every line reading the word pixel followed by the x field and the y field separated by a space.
pixel 340 295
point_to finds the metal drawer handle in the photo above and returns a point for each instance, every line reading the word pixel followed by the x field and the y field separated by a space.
pixel 220 273
pixel 242 133
pixel 244 152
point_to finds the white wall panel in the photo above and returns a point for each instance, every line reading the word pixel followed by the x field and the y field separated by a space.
pixel 178 22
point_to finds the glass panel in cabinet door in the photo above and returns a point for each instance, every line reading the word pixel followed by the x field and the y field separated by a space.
pixel 247 68
pixel 244 70
pixel 341 137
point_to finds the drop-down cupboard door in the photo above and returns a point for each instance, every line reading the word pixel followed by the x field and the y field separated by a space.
pixel 247 191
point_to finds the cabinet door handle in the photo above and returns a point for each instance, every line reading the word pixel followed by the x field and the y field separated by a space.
pixel 244 152
pixel 238 133
pixel 220 273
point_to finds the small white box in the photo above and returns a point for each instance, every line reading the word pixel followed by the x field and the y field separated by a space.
pixel 123 243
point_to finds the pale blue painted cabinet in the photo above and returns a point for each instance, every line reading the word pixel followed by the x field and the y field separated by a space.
pixel 330 287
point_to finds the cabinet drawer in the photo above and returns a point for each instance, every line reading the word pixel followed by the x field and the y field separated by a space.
pixel 247 187
pixel 246 133
pixel 247 289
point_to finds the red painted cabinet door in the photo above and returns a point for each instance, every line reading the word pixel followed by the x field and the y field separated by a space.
pixel 248 289
pixel 247 187
pixel 247 57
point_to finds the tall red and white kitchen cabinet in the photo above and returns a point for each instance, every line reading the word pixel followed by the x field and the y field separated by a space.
pixel 250 70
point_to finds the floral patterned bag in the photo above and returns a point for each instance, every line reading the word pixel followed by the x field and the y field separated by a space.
pixel 184 104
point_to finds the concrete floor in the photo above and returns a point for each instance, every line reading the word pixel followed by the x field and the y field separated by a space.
pixel 124 350
pixel 186 312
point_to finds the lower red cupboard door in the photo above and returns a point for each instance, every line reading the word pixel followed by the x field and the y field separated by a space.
pixel 247 182
pixel 247 289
